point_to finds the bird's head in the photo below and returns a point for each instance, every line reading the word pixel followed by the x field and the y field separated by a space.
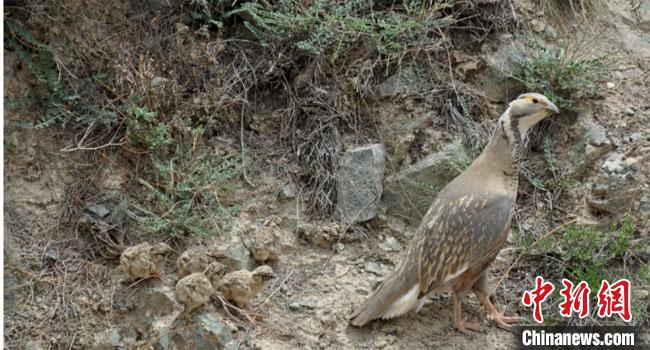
pixel 160 248
pixel 263 273
pixel 524 112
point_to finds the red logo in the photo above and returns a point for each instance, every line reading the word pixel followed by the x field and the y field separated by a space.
pixel 615 299
pixel 575 299
pixel 537 296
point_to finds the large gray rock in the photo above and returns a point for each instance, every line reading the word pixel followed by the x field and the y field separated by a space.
pixel 409 193
pixel 496 81
pixel 593 145
pixel 403 81
pixel 361 173
pixel 138 308
pixel 207 330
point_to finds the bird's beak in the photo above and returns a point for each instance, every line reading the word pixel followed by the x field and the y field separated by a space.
pixel 552 107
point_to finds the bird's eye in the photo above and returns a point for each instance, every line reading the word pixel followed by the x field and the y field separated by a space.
pixel 535 100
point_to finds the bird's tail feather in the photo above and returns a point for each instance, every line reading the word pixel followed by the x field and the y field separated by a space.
pixel 392 298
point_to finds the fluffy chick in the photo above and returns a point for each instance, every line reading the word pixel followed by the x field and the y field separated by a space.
pixel 264 245
pixel 242 286
pixel 144 260
pixel 214 272
pixel 192 260
pixel 193 291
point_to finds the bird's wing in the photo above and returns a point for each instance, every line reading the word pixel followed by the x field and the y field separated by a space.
pixel 458 234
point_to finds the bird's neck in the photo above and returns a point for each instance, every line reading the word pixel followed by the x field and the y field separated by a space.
pixel 502 152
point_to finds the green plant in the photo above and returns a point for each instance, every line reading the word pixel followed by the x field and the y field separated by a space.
pixel 565 75
pixel 55 100
pixel 333 28
pixel 49 94
pixel 191 194
pixel 145 129
pixel 586 253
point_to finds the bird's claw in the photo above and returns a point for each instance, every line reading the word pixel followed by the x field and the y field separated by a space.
pixel 467 327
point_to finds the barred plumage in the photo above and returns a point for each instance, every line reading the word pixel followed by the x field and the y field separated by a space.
pixel 464 229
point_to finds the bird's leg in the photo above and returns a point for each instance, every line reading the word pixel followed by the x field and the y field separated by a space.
pixel 502 321
pixel 459 323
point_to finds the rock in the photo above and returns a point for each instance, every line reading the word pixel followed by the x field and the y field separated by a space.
pixel 610 85
pixel 34 345
pixel 107 340
pixel 400 132
pixel 361 174
pixel 138 308
pixel 505 62
pixel 235 256
pixel 51 256
pixel 392 245
pixel 98 210
pixel 614 195
pixel 615 164
pixel 594 146
pixel 207 331
pixel 629 111
pixel 595 133
pixel 302 305
pixel 373 267
pixel 288 191
pixel 409 193
pixel 537 25
pixel 403 81
pixel 158 82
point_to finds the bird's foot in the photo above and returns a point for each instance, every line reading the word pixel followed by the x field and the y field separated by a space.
pixel 467 327
pixel 503 321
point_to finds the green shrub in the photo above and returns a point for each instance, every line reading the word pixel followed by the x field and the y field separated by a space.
pixel 586 253
pixel 565 75
pixel 191 194
pixel 50 96
pixel 145 129
pixel 333 28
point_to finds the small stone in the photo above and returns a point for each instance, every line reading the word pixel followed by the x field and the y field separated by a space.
pixel 392 244
pixel 615 164
pixel 207 331
pixel 33 345
pixel 629 111
pixel 373 267
pixel 107 340
pixel 157 82
pixel 288 191
pixel 537 25
pixel 636 136
pixel 51 256
pixel 595 133
pixel 98 210
pixel 610 85
pixel 301 305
